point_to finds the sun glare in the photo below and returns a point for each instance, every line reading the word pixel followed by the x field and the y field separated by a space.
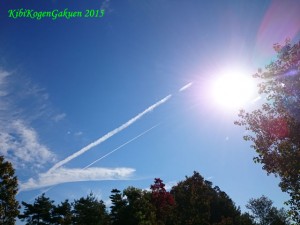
pixel 233 89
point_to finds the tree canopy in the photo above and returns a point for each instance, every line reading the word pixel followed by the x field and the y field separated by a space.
pixel 198 202
pixel 89 211
pixel 62 213
pixel 275 126
pixel 40 212
pixel 9 206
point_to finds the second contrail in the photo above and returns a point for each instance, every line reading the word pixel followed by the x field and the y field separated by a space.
pixel 121 146
pixel 108 135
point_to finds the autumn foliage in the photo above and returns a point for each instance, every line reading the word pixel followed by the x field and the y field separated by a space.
pixel 275 126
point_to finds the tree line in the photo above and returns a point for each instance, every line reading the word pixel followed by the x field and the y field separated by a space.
pixel 193 201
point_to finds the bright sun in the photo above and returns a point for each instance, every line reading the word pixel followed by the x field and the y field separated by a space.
pixel 233 88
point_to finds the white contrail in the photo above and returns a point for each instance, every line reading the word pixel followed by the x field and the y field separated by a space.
pixel 109 134
pixel 121 146
pixel 186 86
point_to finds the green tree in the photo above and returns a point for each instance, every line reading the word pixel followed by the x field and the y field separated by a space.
pixel 197 202
pixel 280 217
pixel 222 208
pixel 139 207
pixel 275 126
pixel 245 219
pixel 192 200
pixel 118 213
pixel 261 209
pixel 9 206
pixel 265 214
pixel 40 212
pixel 89 211
pixel 62 214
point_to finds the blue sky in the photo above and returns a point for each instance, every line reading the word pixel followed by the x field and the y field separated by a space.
pixel 66 83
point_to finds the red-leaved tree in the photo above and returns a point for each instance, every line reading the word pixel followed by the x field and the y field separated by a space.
pixel 162 200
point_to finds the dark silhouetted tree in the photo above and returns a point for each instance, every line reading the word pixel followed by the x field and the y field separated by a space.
pixel 261 209
pixel 118 213
pixel 222 208
pixel 40 212
pixel 139 208
pixel 9 206
pixel 265 214
pixel 62 214
pixel 192 200
pixel 280 217
pixel 89 211
pixel 275 126
pixel 197 202
pixel 246 219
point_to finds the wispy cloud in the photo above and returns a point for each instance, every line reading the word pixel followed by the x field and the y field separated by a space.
pixel 28 148
pixel 78 133
pixel 108 203
pixel 109 134
pixel 59 117
pixel 186 87
pixel 64 175
pixel 170 184
pixel 3 82
pixel 19 142
pixel 3 89
pixel 209 178
pixel 105 5
pixel 3 75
